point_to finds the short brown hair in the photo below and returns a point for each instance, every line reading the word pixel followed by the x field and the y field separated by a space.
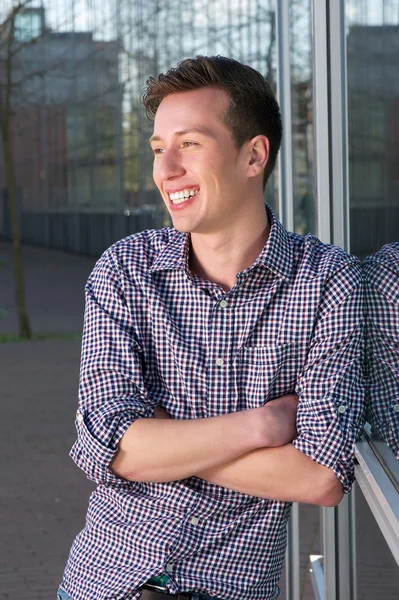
pixel 253 107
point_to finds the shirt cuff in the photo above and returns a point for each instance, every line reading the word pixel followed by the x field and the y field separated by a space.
pixel 331 443
pixel 99 433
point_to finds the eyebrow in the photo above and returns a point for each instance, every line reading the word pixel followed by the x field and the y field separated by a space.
pixel 200 130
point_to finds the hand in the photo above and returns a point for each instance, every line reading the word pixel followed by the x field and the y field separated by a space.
pixel 280 420
pixel 160 413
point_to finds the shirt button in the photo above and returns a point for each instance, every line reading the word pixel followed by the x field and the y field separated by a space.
pixel 219 362
pixel 341 409
pixel 223 304
pixel 79 417
pixel 396 407
pixel 169 568
pixel 194 521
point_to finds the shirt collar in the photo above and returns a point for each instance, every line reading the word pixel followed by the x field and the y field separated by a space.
pixel 387 255
pixel 175 255
pixel 276 254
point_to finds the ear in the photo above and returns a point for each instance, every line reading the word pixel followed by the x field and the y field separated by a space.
pixel 259 148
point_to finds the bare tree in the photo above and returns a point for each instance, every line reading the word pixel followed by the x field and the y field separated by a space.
pixel 8 50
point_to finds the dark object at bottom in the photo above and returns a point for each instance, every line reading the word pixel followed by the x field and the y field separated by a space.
pixel 154 592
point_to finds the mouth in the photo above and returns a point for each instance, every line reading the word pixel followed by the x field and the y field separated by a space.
pixel 182 197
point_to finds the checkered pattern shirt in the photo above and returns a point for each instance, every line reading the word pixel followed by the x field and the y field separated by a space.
pixel 382 325
pixel 155 334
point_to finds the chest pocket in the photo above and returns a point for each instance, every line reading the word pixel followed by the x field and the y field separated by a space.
pixel 267 372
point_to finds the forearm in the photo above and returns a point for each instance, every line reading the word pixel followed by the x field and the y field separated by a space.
pixel 164 449
pixel 282 473
pixel 168 449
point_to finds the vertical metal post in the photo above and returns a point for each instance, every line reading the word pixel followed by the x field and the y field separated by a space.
pixel 120 137
pixel 75 244
pixel 287 217
pixel 345 549
pixel 329 522
pixel 321 121
pixel 44 172
pixel 339 119
pixel 284 95
pixel 330 123
pixel 339 551
pixel 292 569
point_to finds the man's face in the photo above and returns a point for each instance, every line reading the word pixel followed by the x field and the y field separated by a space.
pixel 198 168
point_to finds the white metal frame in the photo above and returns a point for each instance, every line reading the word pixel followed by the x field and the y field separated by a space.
pixel 286 201
pixel 331 193
pixel 317 575
pixel 380 492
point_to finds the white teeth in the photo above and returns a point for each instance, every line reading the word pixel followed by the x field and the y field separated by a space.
pixel 179 197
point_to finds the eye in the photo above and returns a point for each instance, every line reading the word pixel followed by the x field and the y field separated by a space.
pixel 157 150
pixel 188 144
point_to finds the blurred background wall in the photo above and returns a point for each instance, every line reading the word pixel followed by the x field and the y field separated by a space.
pixel 80 134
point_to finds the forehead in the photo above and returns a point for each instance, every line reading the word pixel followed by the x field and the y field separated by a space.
pixel 204 108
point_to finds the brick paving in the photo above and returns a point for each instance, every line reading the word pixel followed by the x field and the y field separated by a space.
pixel 43 496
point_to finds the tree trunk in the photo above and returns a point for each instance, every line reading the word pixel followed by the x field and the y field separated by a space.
pixel 24 326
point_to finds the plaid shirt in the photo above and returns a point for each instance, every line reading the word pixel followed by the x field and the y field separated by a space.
pixel 157 334
pixel 382 319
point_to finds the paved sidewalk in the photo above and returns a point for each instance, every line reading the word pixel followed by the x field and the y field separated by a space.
pixel 43 495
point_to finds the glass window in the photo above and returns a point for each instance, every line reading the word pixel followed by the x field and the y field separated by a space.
pixel 28 25
pixel 153 34
pixel 373 124
pixel 373 99
pixel 302 119
pixel 377 571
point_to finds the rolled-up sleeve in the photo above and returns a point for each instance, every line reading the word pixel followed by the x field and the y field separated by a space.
pixel 112 392
pixel 331 386
pixel 382 344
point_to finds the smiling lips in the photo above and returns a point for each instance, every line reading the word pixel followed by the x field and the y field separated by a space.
pixel 182 196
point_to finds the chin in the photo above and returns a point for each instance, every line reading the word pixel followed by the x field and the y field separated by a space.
pixel 181 228
pixel 181 225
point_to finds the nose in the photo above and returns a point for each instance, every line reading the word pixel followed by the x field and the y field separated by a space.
pixel 168 165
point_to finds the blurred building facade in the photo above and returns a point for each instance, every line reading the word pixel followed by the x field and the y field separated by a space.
pixel 373 92
pixel 83 162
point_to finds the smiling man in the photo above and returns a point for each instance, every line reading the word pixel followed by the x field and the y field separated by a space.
pixel 221 373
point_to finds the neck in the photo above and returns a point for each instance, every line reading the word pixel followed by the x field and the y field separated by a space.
pixel 219 257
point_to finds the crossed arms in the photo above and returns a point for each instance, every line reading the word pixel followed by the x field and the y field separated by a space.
pixel 295 448
pixel 248 451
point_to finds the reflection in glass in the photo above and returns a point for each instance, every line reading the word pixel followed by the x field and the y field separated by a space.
pixel 373 135
pixel 373 123
pixel 302 118
pixel 377 571
pixel 382 342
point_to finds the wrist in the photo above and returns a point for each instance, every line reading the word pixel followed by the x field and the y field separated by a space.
pixel 258 428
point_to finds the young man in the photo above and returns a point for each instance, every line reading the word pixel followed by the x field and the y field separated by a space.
pixel 382 344
pixel 221 364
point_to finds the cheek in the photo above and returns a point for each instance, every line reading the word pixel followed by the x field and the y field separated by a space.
pixel 155 174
